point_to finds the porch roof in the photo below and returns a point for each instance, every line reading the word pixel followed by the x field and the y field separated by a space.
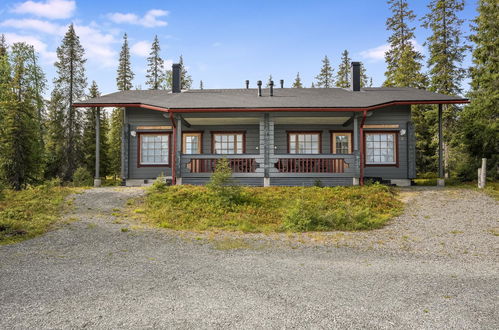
pixel 290 99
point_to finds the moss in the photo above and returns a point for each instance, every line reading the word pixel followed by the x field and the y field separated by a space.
pixel 271 209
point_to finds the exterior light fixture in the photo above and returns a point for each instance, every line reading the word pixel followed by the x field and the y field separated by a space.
pixel 133 133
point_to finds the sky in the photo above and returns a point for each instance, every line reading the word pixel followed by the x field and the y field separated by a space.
pixel 223 42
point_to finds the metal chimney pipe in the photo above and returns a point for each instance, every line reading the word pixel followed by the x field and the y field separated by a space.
pixel 176 67
pixel 282 83
pixel 355 76
pixel 247 84
pixel 259 83
pixel 271 84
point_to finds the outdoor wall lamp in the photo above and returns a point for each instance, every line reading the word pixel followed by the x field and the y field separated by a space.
pixel 133 133
pixel 402 132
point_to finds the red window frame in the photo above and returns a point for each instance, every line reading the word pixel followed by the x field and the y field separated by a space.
pixel 305 132
pixel 214 133
pixel 396 148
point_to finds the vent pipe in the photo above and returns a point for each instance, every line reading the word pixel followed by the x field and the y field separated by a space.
pixel 176 67
pixel 271 84
pixel 355 74
pixel 282 83
pixel 259 83
pixel 247 84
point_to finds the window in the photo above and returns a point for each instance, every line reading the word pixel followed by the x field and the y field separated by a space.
pixel 191 143
pixel 381 148
pixel 341 142
pixel 154 149
pixel 304 143
pixel 228 143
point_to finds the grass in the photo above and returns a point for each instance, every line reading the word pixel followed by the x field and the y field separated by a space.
pixel 28 213
pixel 272 209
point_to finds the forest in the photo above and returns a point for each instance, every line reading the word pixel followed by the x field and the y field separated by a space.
pixel 42 137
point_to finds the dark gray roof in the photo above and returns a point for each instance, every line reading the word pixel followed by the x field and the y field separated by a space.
pixel 283 98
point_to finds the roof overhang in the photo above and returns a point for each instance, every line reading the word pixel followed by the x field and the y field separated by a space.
pixel 331 109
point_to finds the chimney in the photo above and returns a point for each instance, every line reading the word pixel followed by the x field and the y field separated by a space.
pixel 271 84
pixel 247 84
pixel 259 83
pixel 282 83
pixel 176 67
pixel 355 74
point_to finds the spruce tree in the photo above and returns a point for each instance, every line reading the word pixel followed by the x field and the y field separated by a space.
pixel 21 151
pixel 55 136
pixel 3 45
pixel 343 76
pixel 364 79
pixel 479 121
pixel 185 78
pixel 125 74
pixel 70 83
pixel 89 136
pixel 155 66
pixel 446 53
pixel 325 77
pixel 297 83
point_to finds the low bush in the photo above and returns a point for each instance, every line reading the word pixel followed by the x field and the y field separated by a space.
pixel 271 209
pixel 30 212
pixel 82 177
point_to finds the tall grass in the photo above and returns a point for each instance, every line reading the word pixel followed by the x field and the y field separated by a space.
pixel 271 209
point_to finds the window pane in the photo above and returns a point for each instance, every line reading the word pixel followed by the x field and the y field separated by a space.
pixel 380 148
pixel 154 149
pixel 304 143
pixel 229 143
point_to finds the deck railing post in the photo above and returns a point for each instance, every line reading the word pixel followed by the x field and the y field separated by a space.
pixel 97 179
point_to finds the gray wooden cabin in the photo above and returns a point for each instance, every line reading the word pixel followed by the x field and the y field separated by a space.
pixel 272 136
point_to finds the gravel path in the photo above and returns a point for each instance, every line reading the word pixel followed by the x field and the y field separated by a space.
pixel 93 273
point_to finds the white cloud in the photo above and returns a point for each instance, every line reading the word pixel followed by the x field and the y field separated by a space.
pixel 150 19
pixel 98 45
pixel 40 46
pixel 53 9
pixel 378 53
pixel 34 24
pixel 141 48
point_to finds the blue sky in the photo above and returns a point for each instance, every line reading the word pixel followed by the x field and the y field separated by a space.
pixel 223 42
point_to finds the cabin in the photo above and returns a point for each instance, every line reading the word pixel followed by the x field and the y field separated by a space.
pixel 270 136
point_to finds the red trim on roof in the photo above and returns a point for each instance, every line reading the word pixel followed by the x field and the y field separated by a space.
pixel 186 110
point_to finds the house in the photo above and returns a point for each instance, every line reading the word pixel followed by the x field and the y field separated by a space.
pixel 271 136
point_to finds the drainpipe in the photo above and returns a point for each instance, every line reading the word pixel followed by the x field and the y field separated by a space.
pixel 174 147
pixel 361 130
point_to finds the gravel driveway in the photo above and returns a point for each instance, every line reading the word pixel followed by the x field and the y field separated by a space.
pixel 433 267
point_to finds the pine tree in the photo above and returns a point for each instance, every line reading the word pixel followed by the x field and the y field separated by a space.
pixel 21 151
pixel 201 84
pixel 479 121
pixel 155 67
pixel 297 83
pixel 185 78
pixel 88 139
pixel 70 83
pixel 343 76
pixel 325 77
pixel 446 53
pixel 125 74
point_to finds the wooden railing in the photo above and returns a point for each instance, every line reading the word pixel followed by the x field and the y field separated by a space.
pixel 207 165
pixel 311 165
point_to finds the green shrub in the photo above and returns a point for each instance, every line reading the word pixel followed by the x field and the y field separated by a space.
pixel 82 177
pixel 160 183
pixel 222 186
pixel 318 183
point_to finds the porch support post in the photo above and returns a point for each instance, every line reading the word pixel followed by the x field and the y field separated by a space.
pixel 97 180
pixel 441 181
pixel 266 149
pixel 124 148
pixel 356 138
pixel 178 151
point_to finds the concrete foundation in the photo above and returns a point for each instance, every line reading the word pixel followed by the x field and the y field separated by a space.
pixel 401 182
pixel 440 182
pixel 266 182
pixel 355 181
pixel 97 182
